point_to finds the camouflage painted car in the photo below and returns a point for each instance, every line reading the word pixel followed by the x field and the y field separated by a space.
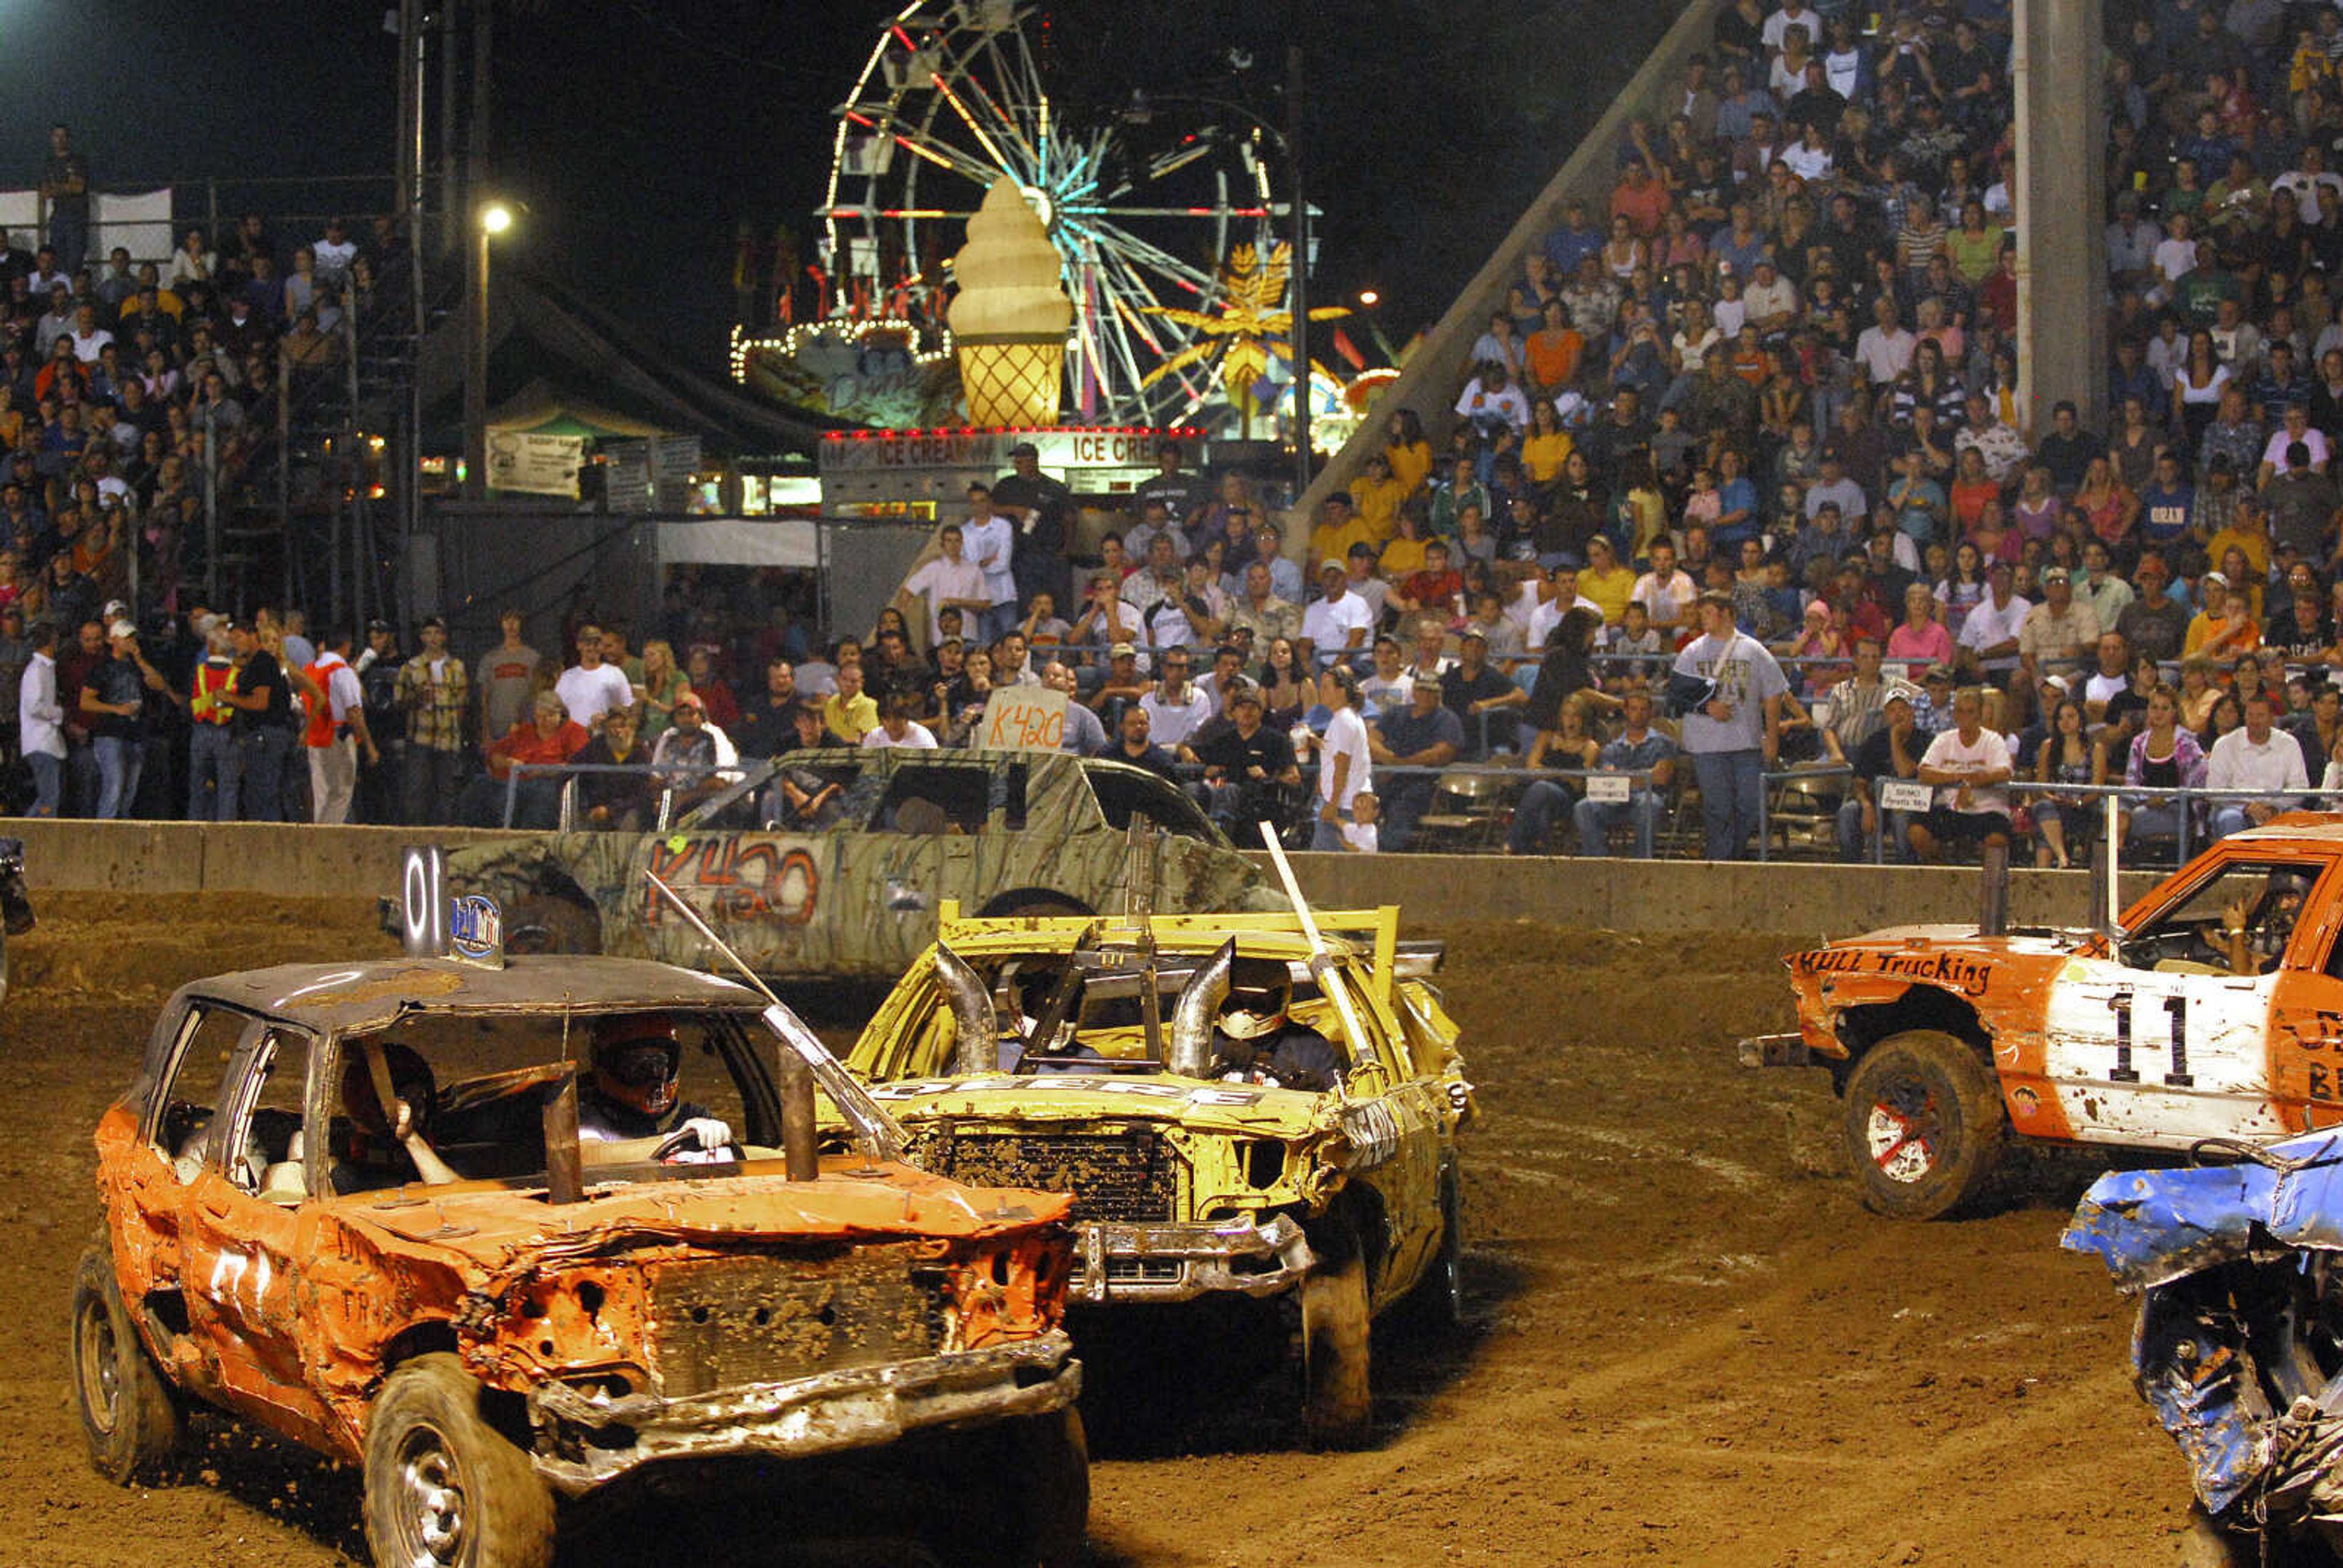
pixel 1001 832
pixel 483 1312
pixel 1188 1183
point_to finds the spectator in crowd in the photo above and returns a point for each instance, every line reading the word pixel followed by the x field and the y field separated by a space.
pixel 849 713
pixel 547 739
pixel 2256 756
pixel 335 732
pixel 1733 729
pixel 622 800
pixel 507 679
pixel 591 689
pixel 1134 744
pixel 1970 768
pixel 1085 736
pixel 1424 734
pixel 1176 706
pixel 1639 749
pixel 1345 764
pixel 432 691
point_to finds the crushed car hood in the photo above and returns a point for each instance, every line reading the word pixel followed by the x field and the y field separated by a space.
pixel 2151 1227
pixel 494 1226
pixel 2169 1235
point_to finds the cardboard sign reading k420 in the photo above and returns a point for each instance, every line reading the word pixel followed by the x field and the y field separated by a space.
pixel 1023 718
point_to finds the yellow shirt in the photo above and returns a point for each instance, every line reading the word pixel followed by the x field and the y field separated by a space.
pixel 1378 505
pixel 849 721
pixel 1334 543
pixel 1609 590
pixel 2253 541
pixel 1402 559
pixel 1544 455
pixel 1411 465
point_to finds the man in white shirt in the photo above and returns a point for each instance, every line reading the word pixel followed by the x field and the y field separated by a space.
pixel 589 689
pixel 1665 592
pixel 40 722
pixel 1988 636
pixel 1565 597
pixel 949 580
pixel 2312 184
pixel 1492 398
pixel 1793 14
pixel 897 728
pixel 1337 621
pixel 2256 756
pixel 989 539
pixel 1970 766
pixel 334 765
pixel 1885 348
pixel 1176 706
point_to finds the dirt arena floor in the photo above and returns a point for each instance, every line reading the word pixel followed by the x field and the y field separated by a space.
pixel 1690 1344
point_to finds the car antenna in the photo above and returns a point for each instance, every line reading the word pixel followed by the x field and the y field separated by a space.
pixel 1320 952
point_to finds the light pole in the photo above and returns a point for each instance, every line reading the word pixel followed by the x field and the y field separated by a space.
pixel 493 218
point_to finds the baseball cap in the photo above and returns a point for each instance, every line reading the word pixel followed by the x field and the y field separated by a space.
pixel 2215 579
pixel 1902 692
pixel 1024 449
pixel 1938 672
pixel 121 628
pixel 1121 651
pixel 430 621
pixel 2057 574
pixel 378 624
pixel 1425 683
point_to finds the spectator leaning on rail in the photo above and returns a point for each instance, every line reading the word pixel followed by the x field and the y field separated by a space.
pixel 2255 756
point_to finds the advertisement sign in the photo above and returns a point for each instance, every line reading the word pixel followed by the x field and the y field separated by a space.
pixel 534 465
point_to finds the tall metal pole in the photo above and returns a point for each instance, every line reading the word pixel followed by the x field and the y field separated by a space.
pixel 450 174
pixel 476 359
pixel 1300 334
pixel 412 43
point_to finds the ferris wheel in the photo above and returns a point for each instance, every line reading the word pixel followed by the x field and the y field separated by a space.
pixel 951 99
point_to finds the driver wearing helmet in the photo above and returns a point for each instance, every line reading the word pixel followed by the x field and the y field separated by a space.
pixel 638 1064
pixel 2252 933
pixel 1253 1040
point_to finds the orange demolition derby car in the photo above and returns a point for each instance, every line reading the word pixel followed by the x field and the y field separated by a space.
pixel 2213 1010
pixel 381 1208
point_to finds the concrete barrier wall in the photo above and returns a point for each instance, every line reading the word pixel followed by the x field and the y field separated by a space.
pixel 293 860
pixel 1797 898
pixel 1801 899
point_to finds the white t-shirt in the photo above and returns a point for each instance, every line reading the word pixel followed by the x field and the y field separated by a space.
pixel 941 579
pixel 2176 259
pixel 1664 598
pixel 589 694
pixel 1169 722
pixel 1947 753
pixel 1346 736
pixel 1987 625
pixel 1328 623
pixel 1363 837
pixel 916 737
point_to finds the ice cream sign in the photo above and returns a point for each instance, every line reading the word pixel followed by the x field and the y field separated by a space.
pixel 1066 451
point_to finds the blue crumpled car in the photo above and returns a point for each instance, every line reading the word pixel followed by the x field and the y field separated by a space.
pixel 2239 1344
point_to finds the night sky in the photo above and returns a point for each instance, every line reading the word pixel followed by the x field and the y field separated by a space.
pixel 641 134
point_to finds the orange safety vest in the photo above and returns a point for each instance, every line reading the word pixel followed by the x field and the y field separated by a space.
pixel 213 681
pixel 319 731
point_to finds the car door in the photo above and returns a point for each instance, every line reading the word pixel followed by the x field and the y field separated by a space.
pixel 241 1229
pixel 1387 1093
pixel 2161 1042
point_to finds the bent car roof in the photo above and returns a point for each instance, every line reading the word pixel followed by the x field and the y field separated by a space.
pixel 372 993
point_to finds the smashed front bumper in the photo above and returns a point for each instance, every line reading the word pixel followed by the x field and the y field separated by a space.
pixel 584 1441
pixel 1180 1262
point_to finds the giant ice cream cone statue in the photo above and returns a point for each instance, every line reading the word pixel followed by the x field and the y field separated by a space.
pixel 1008 320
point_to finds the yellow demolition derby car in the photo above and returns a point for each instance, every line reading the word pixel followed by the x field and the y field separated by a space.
pixel 1238 1104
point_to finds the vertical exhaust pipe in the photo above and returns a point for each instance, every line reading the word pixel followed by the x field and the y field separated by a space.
pixel 565 1173
pixel 976 1027
pixel 800 1153
pixel 1191 1018
pixel 1993 892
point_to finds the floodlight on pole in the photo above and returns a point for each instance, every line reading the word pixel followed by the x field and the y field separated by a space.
pixel 492 218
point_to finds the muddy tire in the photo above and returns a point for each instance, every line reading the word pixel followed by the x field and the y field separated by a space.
pixel 1923 1123
pixel 1050 1470
pixel 443 1486
pixel 544 923
pixel 131 1418
pixel 1337 1402
pixel 1435 1304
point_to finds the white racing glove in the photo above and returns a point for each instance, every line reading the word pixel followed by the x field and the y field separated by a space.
pixel 712 1132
